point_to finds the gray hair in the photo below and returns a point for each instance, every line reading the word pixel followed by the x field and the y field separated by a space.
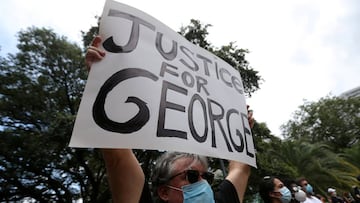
pixel 164 167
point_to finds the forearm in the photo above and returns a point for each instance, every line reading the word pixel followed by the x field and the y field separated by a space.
pixel 238 175
pixel 125 176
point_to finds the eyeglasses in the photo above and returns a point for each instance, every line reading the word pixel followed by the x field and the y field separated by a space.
pixel 193 176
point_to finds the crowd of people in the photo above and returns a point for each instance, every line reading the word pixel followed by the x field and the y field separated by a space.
pixel 346 197
pixel 273 190
pixel 183 177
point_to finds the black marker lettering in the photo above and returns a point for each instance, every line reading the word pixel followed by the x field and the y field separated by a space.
pixel 238 148
pixel 206 61
pixel 195 66
pixel 164 104
pixel 213 117
pixel 195 135
pixel 109 44
pixel 246 132
pixel 171 54
pixel 135 123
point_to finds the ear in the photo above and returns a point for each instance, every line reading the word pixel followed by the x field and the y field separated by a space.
pixel 163 193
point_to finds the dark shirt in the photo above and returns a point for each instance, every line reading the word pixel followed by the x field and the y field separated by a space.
pixel 336 200
pixel 226 193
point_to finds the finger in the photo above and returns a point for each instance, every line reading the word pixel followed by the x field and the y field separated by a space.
pixel 94 54
pixel 94 49
pixel 96 41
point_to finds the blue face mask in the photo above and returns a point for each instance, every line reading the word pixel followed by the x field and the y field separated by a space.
pixel 199 192
pixel 285 195
pixel 309 189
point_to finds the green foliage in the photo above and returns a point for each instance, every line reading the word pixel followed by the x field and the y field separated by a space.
pixel 308 156
pixel 40 91
pixel 352 155
pixel 89 35
pixel 322 142
pixel 334 121
pixel 196 33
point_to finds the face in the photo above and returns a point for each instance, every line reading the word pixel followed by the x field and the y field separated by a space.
pixel 171 195
pixel 303 185
pixel 277 186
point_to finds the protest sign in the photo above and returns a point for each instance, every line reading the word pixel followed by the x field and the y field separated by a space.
pixel 156 90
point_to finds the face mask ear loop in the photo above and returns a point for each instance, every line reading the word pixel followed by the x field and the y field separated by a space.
pixel 174 188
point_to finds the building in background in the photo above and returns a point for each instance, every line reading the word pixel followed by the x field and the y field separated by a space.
pixel 351 93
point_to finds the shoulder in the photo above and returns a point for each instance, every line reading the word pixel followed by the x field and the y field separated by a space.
pixel 312 199
pixel 226 193
pixel 146 194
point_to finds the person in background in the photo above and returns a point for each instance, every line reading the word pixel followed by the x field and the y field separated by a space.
pixel 348 198
pixel 333 195
pixel 273 190
pixel 356 193
pixel 308 189
pixel 297 194
pixel 177 178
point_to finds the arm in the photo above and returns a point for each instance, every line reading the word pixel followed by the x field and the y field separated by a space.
pixel 125 176
pixel 238 175
pixel 239 172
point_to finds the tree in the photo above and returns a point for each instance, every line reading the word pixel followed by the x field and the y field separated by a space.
pixel 332 120
pixel 317 163
pixel 40 90
pixel 322 142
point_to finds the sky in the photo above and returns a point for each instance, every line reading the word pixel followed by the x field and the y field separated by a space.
pixel 303 49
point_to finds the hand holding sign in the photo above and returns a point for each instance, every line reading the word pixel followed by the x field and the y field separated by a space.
pixel 94 54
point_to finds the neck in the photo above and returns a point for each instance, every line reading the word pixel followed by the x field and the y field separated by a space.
pixel 275 200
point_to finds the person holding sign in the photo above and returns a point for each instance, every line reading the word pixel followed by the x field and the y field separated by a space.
pixel 177 177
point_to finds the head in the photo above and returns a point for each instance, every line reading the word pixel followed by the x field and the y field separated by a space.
pixel 272 190
pixel 298 195
pixel 305 186
pixel 171 174
pixel 332 192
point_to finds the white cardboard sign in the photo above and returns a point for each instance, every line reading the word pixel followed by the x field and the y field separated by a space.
pixel 156 90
